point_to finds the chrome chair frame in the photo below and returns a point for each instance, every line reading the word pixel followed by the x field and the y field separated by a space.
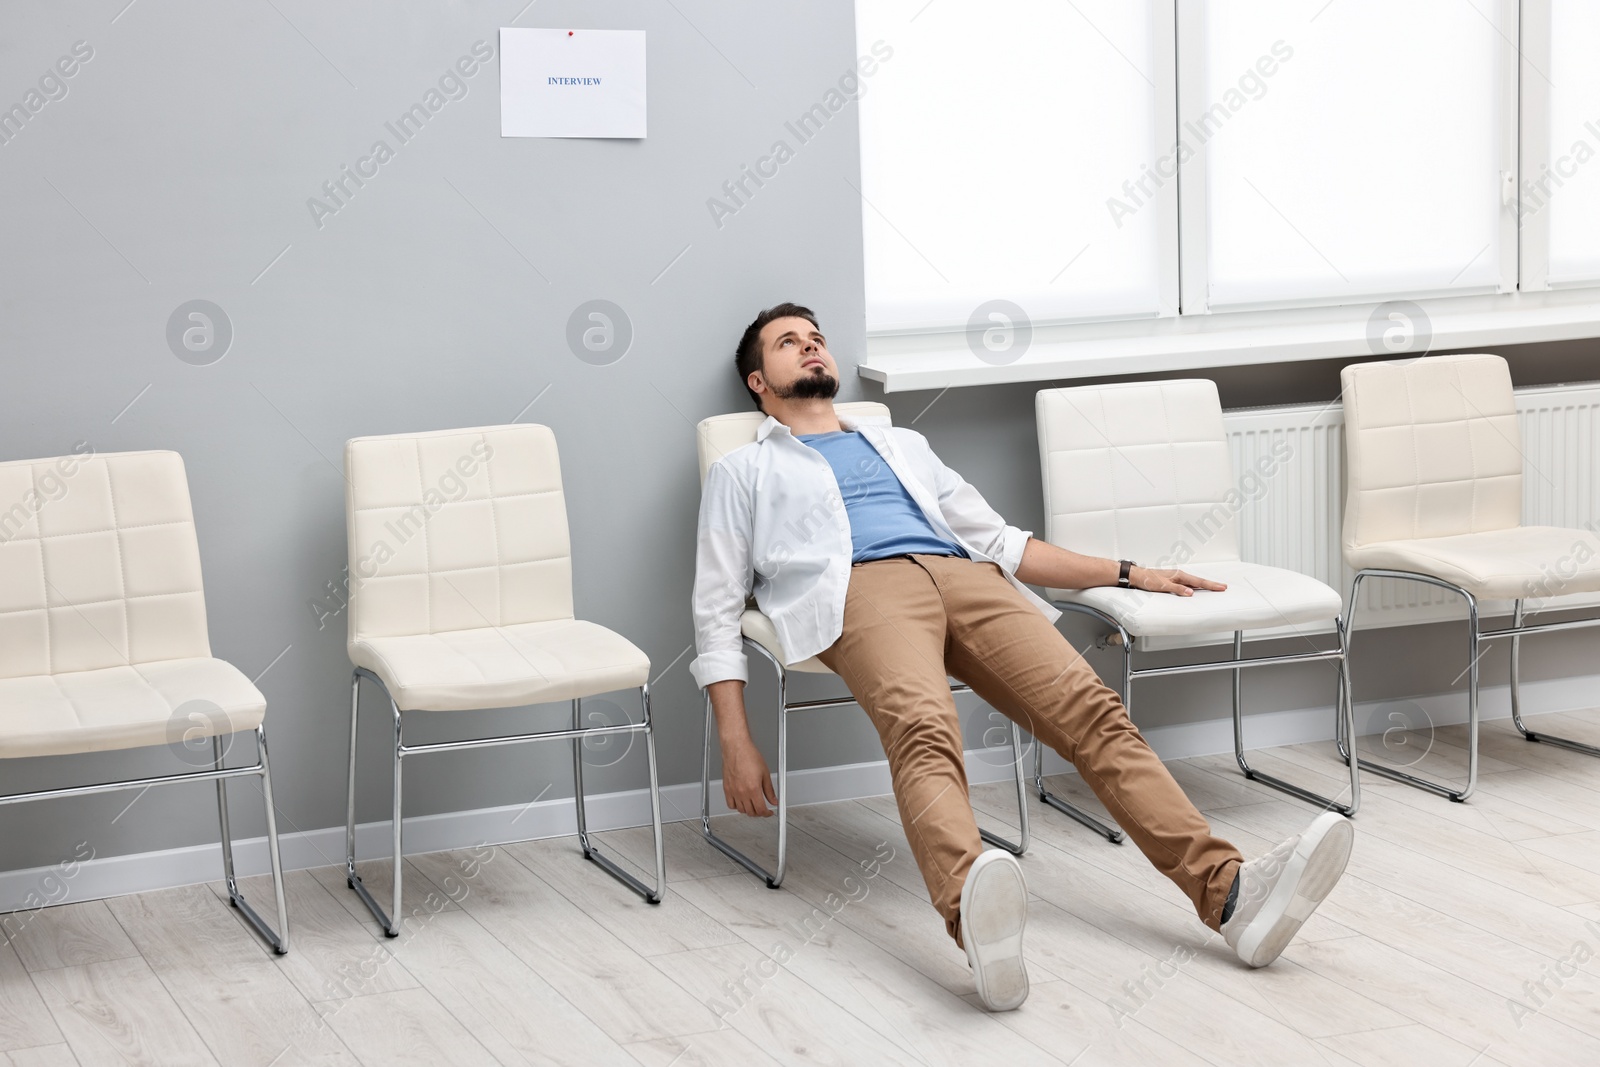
pixel 1475 636
pixel 278 940
pixel 591 851
pixel 774 879
pixel 1344 714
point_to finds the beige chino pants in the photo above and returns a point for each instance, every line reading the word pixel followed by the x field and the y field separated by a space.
pixel 912 622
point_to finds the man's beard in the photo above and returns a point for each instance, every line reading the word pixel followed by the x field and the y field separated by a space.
pixel 823 386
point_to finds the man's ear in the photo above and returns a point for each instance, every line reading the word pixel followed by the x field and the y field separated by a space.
pixel 756 382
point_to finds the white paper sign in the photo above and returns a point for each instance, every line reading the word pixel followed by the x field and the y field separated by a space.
pixel 571 83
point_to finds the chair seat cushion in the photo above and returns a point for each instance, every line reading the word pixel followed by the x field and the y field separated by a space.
pixel 502 666
pixel 1257 597
pixel 1516 563
pixel 758 628
pixel 162 702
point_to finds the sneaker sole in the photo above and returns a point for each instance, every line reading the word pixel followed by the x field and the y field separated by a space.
pixel 994 913
pixel 1308 877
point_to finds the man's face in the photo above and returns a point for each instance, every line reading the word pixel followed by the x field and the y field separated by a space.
pixel 797 364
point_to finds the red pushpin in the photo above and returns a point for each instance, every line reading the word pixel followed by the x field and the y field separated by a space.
pixel 569 33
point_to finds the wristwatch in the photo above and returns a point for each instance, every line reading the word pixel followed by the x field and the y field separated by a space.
pixel 1122 573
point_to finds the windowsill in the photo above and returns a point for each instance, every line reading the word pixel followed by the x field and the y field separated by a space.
pixel 902 362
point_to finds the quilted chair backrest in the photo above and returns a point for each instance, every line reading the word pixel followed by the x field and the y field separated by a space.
pixel 99 566
pixel 456 530
pixel 1139 471
pixel 721 434
pixel 1432 447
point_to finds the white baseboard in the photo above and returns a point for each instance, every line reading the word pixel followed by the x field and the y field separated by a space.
pixel 118 875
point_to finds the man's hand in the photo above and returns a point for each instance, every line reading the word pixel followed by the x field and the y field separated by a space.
pixel 1175 582
pixel 746 785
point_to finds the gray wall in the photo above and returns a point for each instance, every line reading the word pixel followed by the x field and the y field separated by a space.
pixel 178 166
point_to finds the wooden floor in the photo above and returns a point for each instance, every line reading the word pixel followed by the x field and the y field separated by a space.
pixel 1431 951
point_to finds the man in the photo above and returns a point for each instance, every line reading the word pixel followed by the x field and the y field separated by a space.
pixel 869 553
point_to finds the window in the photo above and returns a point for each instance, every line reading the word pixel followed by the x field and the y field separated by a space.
pixel 967 196
pixel 1561 190
pixel 1184 183
pixel 1345 150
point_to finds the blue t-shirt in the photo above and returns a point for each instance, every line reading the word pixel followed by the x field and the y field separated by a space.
pixel 884 520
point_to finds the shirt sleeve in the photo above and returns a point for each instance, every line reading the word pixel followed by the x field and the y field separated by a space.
pixel 970 516
pixel 723 573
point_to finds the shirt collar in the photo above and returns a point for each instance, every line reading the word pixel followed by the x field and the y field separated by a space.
pixel 771 425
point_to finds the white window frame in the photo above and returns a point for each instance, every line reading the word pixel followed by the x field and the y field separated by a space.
pixel 1524 310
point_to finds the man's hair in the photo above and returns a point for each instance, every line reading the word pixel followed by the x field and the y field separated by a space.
pixel 748 356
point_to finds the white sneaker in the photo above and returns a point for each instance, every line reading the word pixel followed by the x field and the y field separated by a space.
pixel 994 911
pixel 1279 891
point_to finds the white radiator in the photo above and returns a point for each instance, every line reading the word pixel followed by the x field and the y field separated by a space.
pixel 1292 515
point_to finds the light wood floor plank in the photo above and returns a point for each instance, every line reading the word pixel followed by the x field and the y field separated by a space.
pixel 420 898
pixel 1446 886
pixel 1412 1043
pixel 688 855
pixel 225 980
pixel 861 978
pixel 575 954
pixel 332 956
pixel 755 995
pixel 67 935
pixel 25 1022
pixel 720 1048
pixel 119 1012
pixel 1522 866
pixel 403 1028
pixel 674 925
pixel 44 1056
pixel 1449 1004
pixel 1062 1017
pixel 514 1013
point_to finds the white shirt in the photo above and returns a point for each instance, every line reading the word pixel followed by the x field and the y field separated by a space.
pixel 771 511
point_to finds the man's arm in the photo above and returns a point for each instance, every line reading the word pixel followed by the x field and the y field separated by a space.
pixel 1059 568
pixel 722 576
pixel 1039 562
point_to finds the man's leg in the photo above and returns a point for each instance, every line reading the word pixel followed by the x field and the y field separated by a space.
pixel 1015 659
pixel 891 655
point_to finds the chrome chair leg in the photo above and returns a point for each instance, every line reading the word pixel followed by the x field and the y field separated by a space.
pixel 397 822
pixel 350 875
pixel 783 781
pixel 773 880
pixel 1278 783
pixel 391 926
pixel 278 940
pixel 1023 834
pixel 591 851
pixel 1473 640
pixel 1516 698
pixel 655 798
pixel 274 858
pixel 1072 811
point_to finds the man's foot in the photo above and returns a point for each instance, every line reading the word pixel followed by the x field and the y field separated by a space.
pixel 994 910
pixel 1278 892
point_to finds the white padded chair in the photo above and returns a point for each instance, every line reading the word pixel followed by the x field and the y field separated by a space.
pixel 718 436
pixel 103 642
pixel 461 598
pixel 1433 494
pixel 1141 471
